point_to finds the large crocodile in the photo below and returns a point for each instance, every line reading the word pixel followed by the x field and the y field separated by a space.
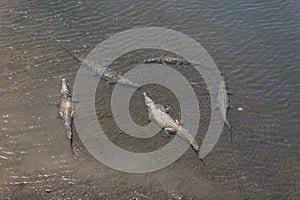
pixel 166 59
pixel 106 74
pixel 169 125
pixel 66 109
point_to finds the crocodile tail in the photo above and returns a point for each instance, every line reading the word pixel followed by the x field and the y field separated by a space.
pixel 69 134
pixel 78 59
pixel 227 123
pixel 185 134
pixel 68 128
pixel 195 146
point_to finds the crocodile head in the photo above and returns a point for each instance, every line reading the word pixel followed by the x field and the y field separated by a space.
pixel 64 87
pixel 148 101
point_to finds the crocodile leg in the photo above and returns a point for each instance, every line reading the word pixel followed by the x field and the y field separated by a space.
pixel 61 114
pixel 168 130
pixel 166 134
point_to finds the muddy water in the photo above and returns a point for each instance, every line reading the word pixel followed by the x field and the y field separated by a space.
pixel 255 45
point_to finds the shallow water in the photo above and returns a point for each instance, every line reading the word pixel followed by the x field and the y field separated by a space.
pixel 255 44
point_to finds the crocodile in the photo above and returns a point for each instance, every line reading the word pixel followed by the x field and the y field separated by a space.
pixel 169 125
pixel 66 109
pixel 224 103
pixel 107 74
pixel 165 59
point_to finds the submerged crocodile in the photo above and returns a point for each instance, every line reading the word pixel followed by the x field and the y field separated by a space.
pixel 224 103
pixel 177 60
pixel 169 125
pixel 66 109
pixel 107 74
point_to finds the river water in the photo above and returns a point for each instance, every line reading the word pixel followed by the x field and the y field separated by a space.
pixel 255 44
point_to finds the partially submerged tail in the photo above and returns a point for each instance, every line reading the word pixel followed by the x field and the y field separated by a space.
pixel 68 128
pixel 69 133
pixel 78 59
pixel 71 146
pixel 186 135
pixel 195 146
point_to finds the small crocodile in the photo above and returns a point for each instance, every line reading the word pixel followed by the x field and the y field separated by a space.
pixel 109 75
pixel 66 109
pixel 178 60
pixel 169 125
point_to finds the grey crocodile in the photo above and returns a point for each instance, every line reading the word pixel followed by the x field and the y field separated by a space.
pixel 66 109
pixel 107 74
pixel 172 60
pixel 224 102
pixel 169 125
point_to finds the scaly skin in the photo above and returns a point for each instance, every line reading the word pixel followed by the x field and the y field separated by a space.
pixel 168 124
pixel 224 103
pixel 66 108
pixel 108 75
pixel 168 60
